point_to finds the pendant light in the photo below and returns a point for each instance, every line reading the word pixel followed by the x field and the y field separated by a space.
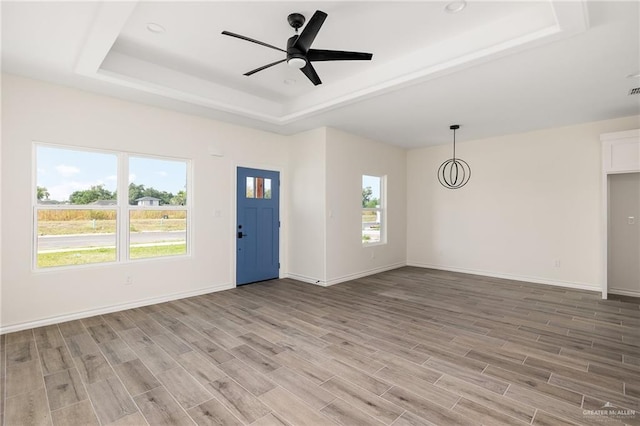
pixel 455 172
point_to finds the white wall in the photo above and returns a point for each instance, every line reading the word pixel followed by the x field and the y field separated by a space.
pixel 38 111
pixel 316 247
pixel 348 158
pixel 307 229
pixel 326 192
pixel 533 199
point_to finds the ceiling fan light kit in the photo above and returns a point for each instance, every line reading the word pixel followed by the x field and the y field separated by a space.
pixel 297 63
pixel 454 173
pixel 299 53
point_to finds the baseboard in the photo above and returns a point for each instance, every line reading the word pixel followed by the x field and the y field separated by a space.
pixel 630 293
pixel 361 274
pixel 306 279
pixel 112 308
pixel 344 278
pixel 536 280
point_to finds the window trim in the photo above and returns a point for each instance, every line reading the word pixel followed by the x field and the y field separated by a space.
pixel 122 207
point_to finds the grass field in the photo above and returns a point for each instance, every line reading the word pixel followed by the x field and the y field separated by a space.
pixel 101 255
pixel 368 216
pixel 107 226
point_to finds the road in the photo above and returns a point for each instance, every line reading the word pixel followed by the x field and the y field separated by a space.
pixel 57 242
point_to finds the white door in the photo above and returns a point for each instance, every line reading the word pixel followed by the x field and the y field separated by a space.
pixel 624 234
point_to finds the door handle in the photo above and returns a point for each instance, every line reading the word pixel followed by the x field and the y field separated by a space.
pixel 241 234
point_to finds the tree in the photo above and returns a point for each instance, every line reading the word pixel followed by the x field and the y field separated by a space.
pixel 367 201
pixel 42 193
pixel 373 203
pixel 366 195
pixel 180 199
pixel 135 192
pixel 88 196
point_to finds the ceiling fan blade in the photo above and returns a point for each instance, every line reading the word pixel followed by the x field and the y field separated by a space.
pixel 337 55
pixel 311 74
pixel 264 67
pixel 241 37
pixel 310 31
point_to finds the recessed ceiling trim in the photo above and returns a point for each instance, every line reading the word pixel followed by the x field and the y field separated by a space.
pixel 423 65
pixel 420 76
pixel 184 93
pixel 109 21
pixel 572 16
pixel 97 61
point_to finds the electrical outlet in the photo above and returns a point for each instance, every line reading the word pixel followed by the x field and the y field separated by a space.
pixel 128 280
pixel 556 263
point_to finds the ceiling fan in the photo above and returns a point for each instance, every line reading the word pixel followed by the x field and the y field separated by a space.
pixel 299 52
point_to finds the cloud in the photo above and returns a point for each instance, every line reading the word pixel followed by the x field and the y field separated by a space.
pixel 62 191
pixel 67 171
pixel 111 178
pixel 162 173
pixel 132 178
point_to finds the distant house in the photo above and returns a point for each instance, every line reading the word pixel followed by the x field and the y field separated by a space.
pixel 105 203
pixel 52 202
pixel 148 201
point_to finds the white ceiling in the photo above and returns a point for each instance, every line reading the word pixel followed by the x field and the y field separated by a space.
pixel 495 67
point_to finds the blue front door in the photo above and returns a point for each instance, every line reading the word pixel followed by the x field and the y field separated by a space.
pixel 257 225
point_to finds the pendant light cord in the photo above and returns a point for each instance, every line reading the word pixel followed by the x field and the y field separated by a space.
pixel 454 145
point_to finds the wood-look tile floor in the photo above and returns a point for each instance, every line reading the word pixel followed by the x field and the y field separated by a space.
pixel 405 347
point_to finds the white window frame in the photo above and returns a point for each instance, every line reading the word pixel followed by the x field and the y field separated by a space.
pixel 130 208
pixel 381 211
pixel 122 208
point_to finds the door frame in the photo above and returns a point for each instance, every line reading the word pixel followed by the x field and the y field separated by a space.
pixel 234 215
pixel 613 146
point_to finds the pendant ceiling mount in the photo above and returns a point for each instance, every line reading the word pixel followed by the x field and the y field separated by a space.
pixel 454 173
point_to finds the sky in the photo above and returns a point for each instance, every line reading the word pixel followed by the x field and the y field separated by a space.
pixel 63 171
pixel 374 183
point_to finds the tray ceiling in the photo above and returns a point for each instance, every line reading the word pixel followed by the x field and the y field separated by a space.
pixel 190 66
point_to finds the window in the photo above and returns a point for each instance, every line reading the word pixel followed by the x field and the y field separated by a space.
pixel 258 187
pixel 76 208
pixel 157 212
pixel 373 212
pixel 85 209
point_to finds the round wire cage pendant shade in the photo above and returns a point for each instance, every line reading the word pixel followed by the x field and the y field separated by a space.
pixel 454 173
